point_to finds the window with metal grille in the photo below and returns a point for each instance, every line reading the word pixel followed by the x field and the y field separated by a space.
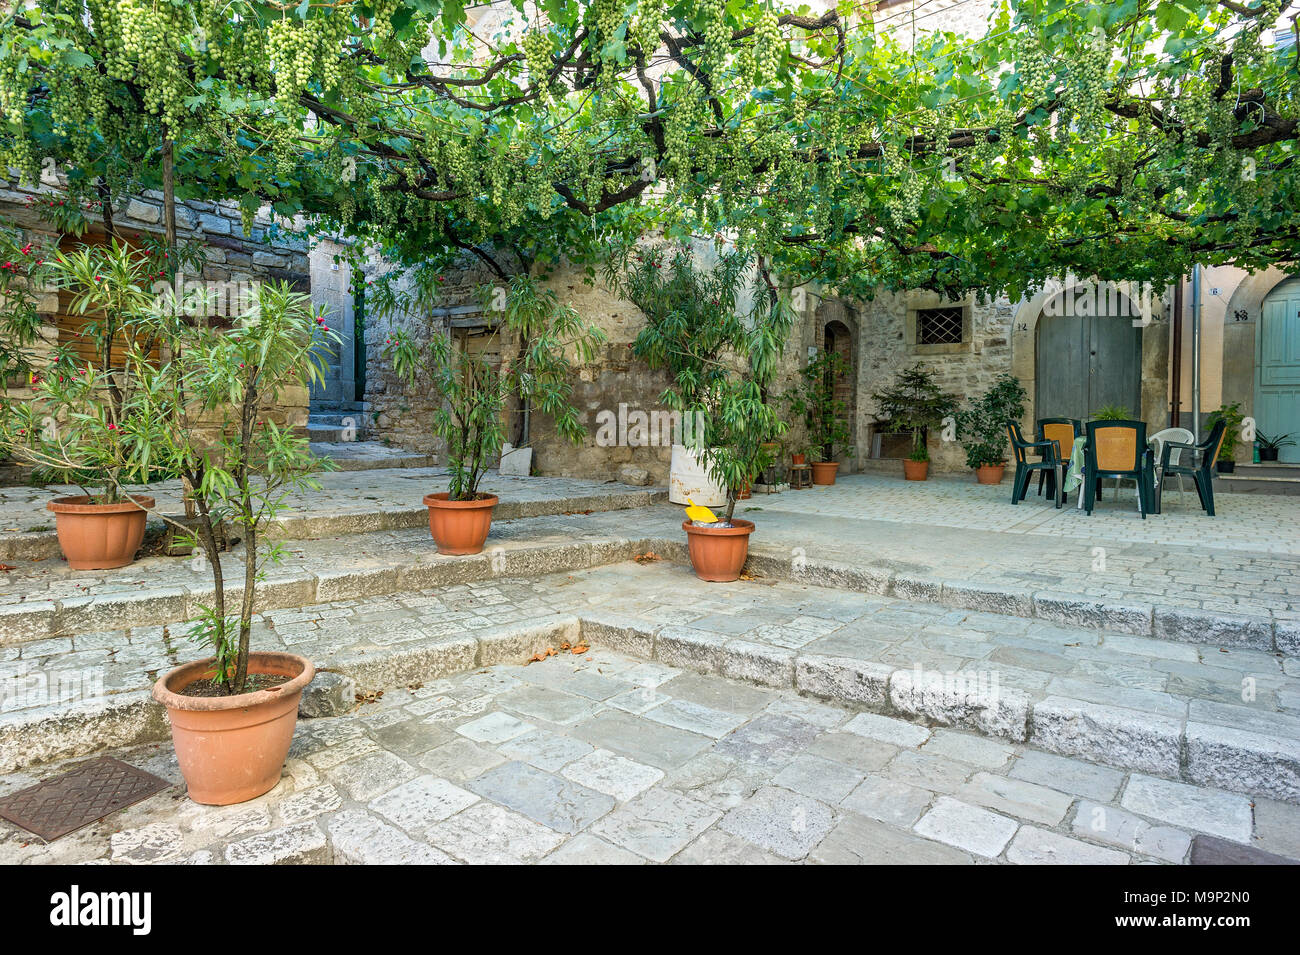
pixel 938 326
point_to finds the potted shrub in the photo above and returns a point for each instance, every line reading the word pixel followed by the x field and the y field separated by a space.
pixel 914 403
pixel 78 422
pixel 1269 447
pixel 692 330
pixel 1231 416
pixel 825 415
pixel 1112 413
pixel 472 419
pixel 982 428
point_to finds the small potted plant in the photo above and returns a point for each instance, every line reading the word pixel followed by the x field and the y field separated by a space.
pixel 1231 416
pixel 825 415
pixel 982 430
pixel 472 419
pixel 914 403
pixel 1112 413
pixel 1269 447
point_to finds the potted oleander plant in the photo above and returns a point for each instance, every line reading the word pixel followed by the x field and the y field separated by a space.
pixel 915 403
pixel 76 424
pixel 472 420
pixel 1269 447
pixel 814 401
pixel 982 427
pixel 208 412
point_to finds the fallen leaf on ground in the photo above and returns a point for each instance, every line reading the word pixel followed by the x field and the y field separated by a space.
pixel 648 557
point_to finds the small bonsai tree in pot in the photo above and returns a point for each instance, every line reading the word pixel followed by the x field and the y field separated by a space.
pixel 814 401
pixel 914 403
pixel 1233 419
pixel 982 427
pixel 472 419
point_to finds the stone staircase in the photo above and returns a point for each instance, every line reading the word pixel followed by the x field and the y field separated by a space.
pixel 1270 478
pixel 1136 687
pixel 344 427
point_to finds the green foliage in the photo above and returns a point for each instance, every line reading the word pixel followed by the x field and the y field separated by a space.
pixel 1231 415
pixel 914 402
pixel 1112 413
pixel 814 402
pixel 1278 441
pixel 1126 140
pixel 721 358
pixel 982 425
pixel 472 418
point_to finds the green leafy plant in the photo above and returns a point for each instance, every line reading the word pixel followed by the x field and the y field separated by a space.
pixel 1275 443
pixel 1112 413
pixel 1232 417
pixel 814 402
pixel 982 425
pixel 915 403
pixel 721 359
pixel 472 419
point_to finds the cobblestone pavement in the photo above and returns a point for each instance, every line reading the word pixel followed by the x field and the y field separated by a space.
pixel 605 758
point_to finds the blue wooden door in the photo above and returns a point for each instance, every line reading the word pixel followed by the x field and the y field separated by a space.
pixel 1277 369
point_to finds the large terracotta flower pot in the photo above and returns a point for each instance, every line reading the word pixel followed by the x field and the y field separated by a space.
pixel 459 527
pixel 990 473
pixel 915 470
pixel 824 471
pixel 718 553
pixel 232 748
pixel 99 536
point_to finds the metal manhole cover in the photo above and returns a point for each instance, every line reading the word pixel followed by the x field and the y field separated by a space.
pixel 84 795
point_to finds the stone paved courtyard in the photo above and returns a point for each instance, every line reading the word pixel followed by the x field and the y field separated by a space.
pixel 605 758
pixel 1146 675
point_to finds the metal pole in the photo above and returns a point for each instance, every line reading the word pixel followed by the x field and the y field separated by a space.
pixel 1176 364
pixel 1196 354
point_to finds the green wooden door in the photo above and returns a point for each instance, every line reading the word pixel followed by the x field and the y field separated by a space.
pixel 1277 368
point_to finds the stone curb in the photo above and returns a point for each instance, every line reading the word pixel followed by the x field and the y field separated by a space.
pixel 1200 753
pixel 1177 624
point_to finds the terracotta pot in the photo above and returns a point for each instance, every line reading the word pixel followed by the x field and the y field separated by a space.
pixel 232 748
pixel 99 536
pixel 718 553
pixel 798 459
pixel 459 527
pixel 824 471
pixel 744 493
pixel 990 473
pixel 915 470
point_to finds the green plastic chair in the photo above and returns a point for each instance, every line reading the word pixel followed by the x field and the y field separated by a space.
pixel 1198 464
pixel 1025 468
pixel 1117 450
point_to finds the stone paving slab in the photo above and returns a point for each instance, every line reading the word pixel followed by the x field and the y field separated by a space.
pixel 1225 718
pixel 348 502
pixel 347 798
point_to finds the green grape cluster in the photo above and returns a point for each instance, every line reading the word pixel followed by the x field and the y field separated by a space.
pixel 537 53
pixel 767 45
pixel 649 23
pixel 717 37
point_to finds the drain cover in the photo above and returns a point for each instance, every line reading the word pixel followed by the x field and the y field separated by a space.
pixel 87 794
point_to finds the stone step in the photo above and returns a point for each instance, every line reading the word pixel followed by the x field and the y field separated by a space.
pixel 1251 483
pixel 335 433
pixel 1134 703
pixel 370 456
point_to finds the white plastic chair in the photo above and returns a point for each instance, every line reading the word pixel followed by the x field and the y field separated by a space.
pixel 1157 442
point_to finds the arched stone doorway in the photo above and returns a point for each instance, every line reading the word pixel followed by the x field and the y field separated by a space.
pixel 1277 367
pixel 837 338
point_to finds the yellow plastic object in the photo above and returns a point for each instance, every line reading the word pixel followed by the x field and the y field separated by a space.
pixel 697 512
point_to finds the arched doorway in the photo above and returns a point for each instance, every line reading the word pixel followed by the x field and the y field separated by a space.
pixel 1084 362
pixel 1277 367
pixel 838 339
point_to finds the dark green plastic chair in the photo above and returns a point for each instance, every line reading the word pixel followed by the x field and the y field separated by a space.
pixel 1025 468
pixel 1198 465
pixel 1117 450
pixel 1063 431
